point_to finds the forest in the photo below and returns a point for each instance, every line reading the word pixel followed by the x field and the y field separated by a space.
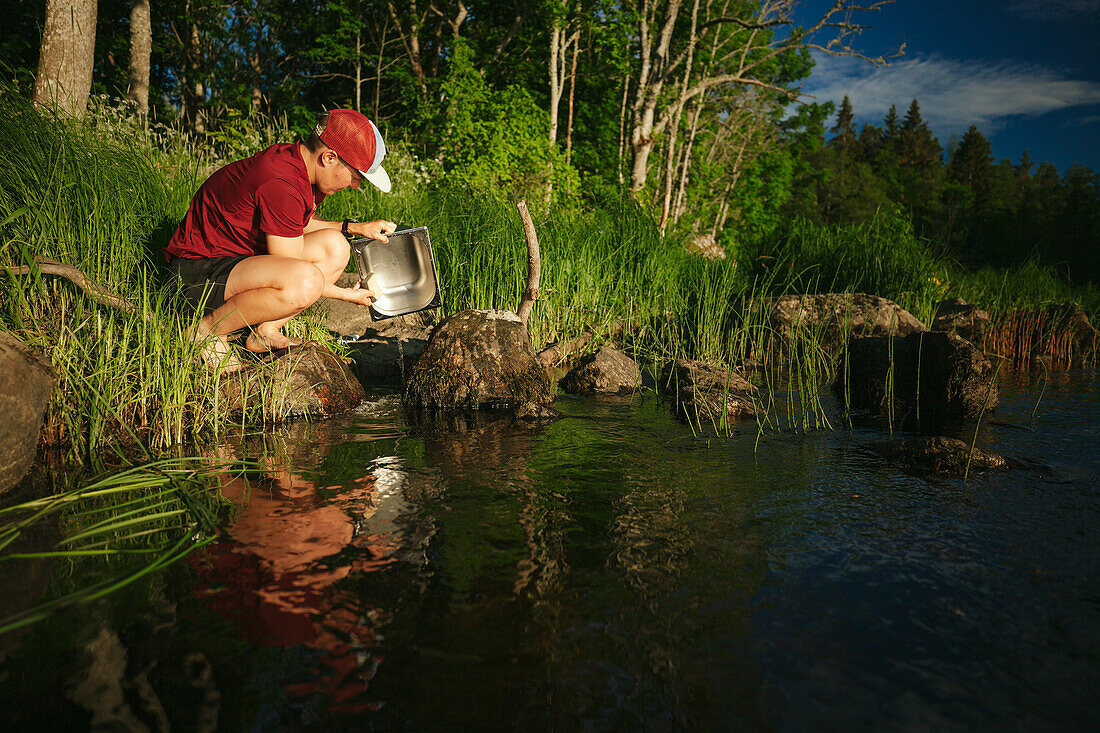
pixel 695 109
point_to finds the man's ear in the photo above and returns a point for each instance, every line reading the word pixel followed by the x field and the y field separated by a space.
pixel 328 157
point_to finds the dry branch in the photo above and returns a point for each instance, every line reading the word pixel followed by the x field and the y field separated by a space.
pixel 76 276
pixel 534 264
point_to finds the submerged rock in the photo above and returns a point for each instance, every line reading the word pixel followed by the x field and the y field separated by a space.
pixel 307 381
pixel 708 392
pixel 940 454
pixel 478 359
pixel 934 375
pixel 608 371
pixel 833 317
pixel 958 316
pixel 26 382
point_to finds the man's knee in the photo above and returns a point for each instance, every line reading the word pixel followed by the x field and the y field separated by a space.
pixel 327 248
pixel 304 286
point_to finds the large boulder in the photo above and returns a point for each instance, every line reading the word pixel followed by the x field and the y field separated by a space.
pixel 608 371
pixel 708 392
pixel 478 359
pixel 832 317
pixel 958 316
pixel 306 381
pixel 935 375
pixel 26 382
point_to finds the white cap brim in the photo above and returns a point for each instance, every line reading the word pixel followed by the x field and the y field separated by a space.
pixel 379 178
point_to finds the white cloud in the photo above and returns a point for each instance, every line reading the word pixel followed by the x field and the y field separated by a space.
pixel 952 94
pixel 1054 9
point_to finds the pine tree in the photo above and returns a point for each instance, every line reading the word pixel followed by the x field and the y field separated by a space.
pixel 918 148
pixel 971 163
pixel 891 126
pixel 844 132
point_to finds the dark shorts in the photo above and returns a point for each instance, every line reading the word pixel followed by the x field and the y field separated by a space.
pixel 203 280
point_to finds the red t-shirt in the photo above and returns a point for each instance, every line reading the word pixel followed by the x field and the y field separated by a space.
pixel 240 204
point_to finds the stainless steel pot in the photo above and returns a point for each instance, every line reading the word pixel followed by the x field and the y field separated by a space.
pixel 404 271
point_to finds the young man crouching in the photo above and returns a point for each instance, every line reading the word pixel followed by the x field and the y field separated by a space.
pixel 250 249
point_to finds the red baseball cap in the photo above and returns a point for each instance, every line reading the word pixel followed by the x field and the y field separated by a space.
pixel 356 140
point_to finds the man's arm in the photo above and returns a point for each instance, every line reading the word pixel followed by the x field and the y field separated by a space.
pixel 373 229
pixel 295 247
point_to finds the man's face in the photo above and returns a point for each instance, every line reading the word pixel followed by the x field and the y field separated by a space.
pixel 336 174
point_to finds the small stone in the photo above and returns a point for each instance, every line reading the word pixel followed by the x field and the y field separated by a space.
pixel 608 371
pixel 940 454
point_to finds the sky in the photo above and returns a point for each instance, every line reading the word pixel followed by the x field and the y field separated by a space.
pixel 1026 72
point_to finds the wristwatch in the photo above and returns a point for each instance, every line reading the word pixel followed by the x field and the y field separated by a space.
pixel 344 228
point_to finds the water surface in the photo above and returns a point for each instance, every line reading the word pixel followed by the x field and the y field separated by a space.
pixel 608 571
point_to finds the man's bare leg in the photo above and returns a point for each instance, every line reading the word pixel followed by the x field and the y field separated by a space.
pixel 265 291
pixel 328 251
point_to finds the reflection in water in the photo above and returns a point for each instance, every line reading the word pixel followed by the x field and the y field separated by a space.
pixel 278 569
pixel 496 451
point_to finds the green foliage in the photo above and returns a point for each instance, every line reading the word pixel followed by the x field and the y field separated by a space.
pixel 497 139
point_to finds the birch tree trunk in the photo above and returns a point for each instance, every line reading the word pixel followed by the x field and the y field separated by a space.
pixel 560 39
pixel 67 55
pixel 141 50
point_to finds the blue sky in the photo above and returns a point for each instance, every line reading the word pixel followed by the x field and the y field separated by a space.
pixel 1026 72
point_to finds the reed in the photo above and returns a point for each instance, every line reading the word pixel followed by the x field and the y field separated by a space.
pixel 129 524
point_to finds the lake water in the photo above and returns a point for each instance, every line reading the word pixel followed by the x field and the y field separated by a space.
pixel 609 571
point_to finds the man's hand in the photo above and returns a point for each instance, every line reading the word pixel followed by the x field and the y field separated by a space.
pixel 373 229
pixel 355 294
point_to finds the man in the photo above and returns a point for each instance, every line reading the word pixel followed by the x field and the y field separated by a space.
pixel 250 249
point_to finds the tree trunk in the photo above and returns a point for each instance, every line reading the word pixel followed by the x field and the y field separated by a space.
pixel 572 95
pixel 65 62
pixel 141 49
pixel 198 88
pixel 359 70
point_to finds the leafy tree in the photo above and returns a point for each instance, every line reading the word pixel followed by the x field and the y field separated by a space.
pixel 496 139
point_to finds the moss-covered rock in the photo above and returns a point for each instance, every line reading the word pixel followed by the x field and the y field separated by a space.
pixel 478 359
pixel 708 393
pixel 306 381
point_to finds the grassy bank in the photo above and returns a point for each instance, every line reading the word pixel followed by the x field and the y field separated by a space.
pixel 106 195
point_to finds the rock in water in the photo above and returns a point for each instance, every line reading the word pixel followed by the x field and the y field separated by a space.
pixel 478 359
pixel 940 454
pixel 832 317
pixel 884 373
pixel 708 392
pixel 26 383
pixel 608 371
pixel 308 380
pixel 958 316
